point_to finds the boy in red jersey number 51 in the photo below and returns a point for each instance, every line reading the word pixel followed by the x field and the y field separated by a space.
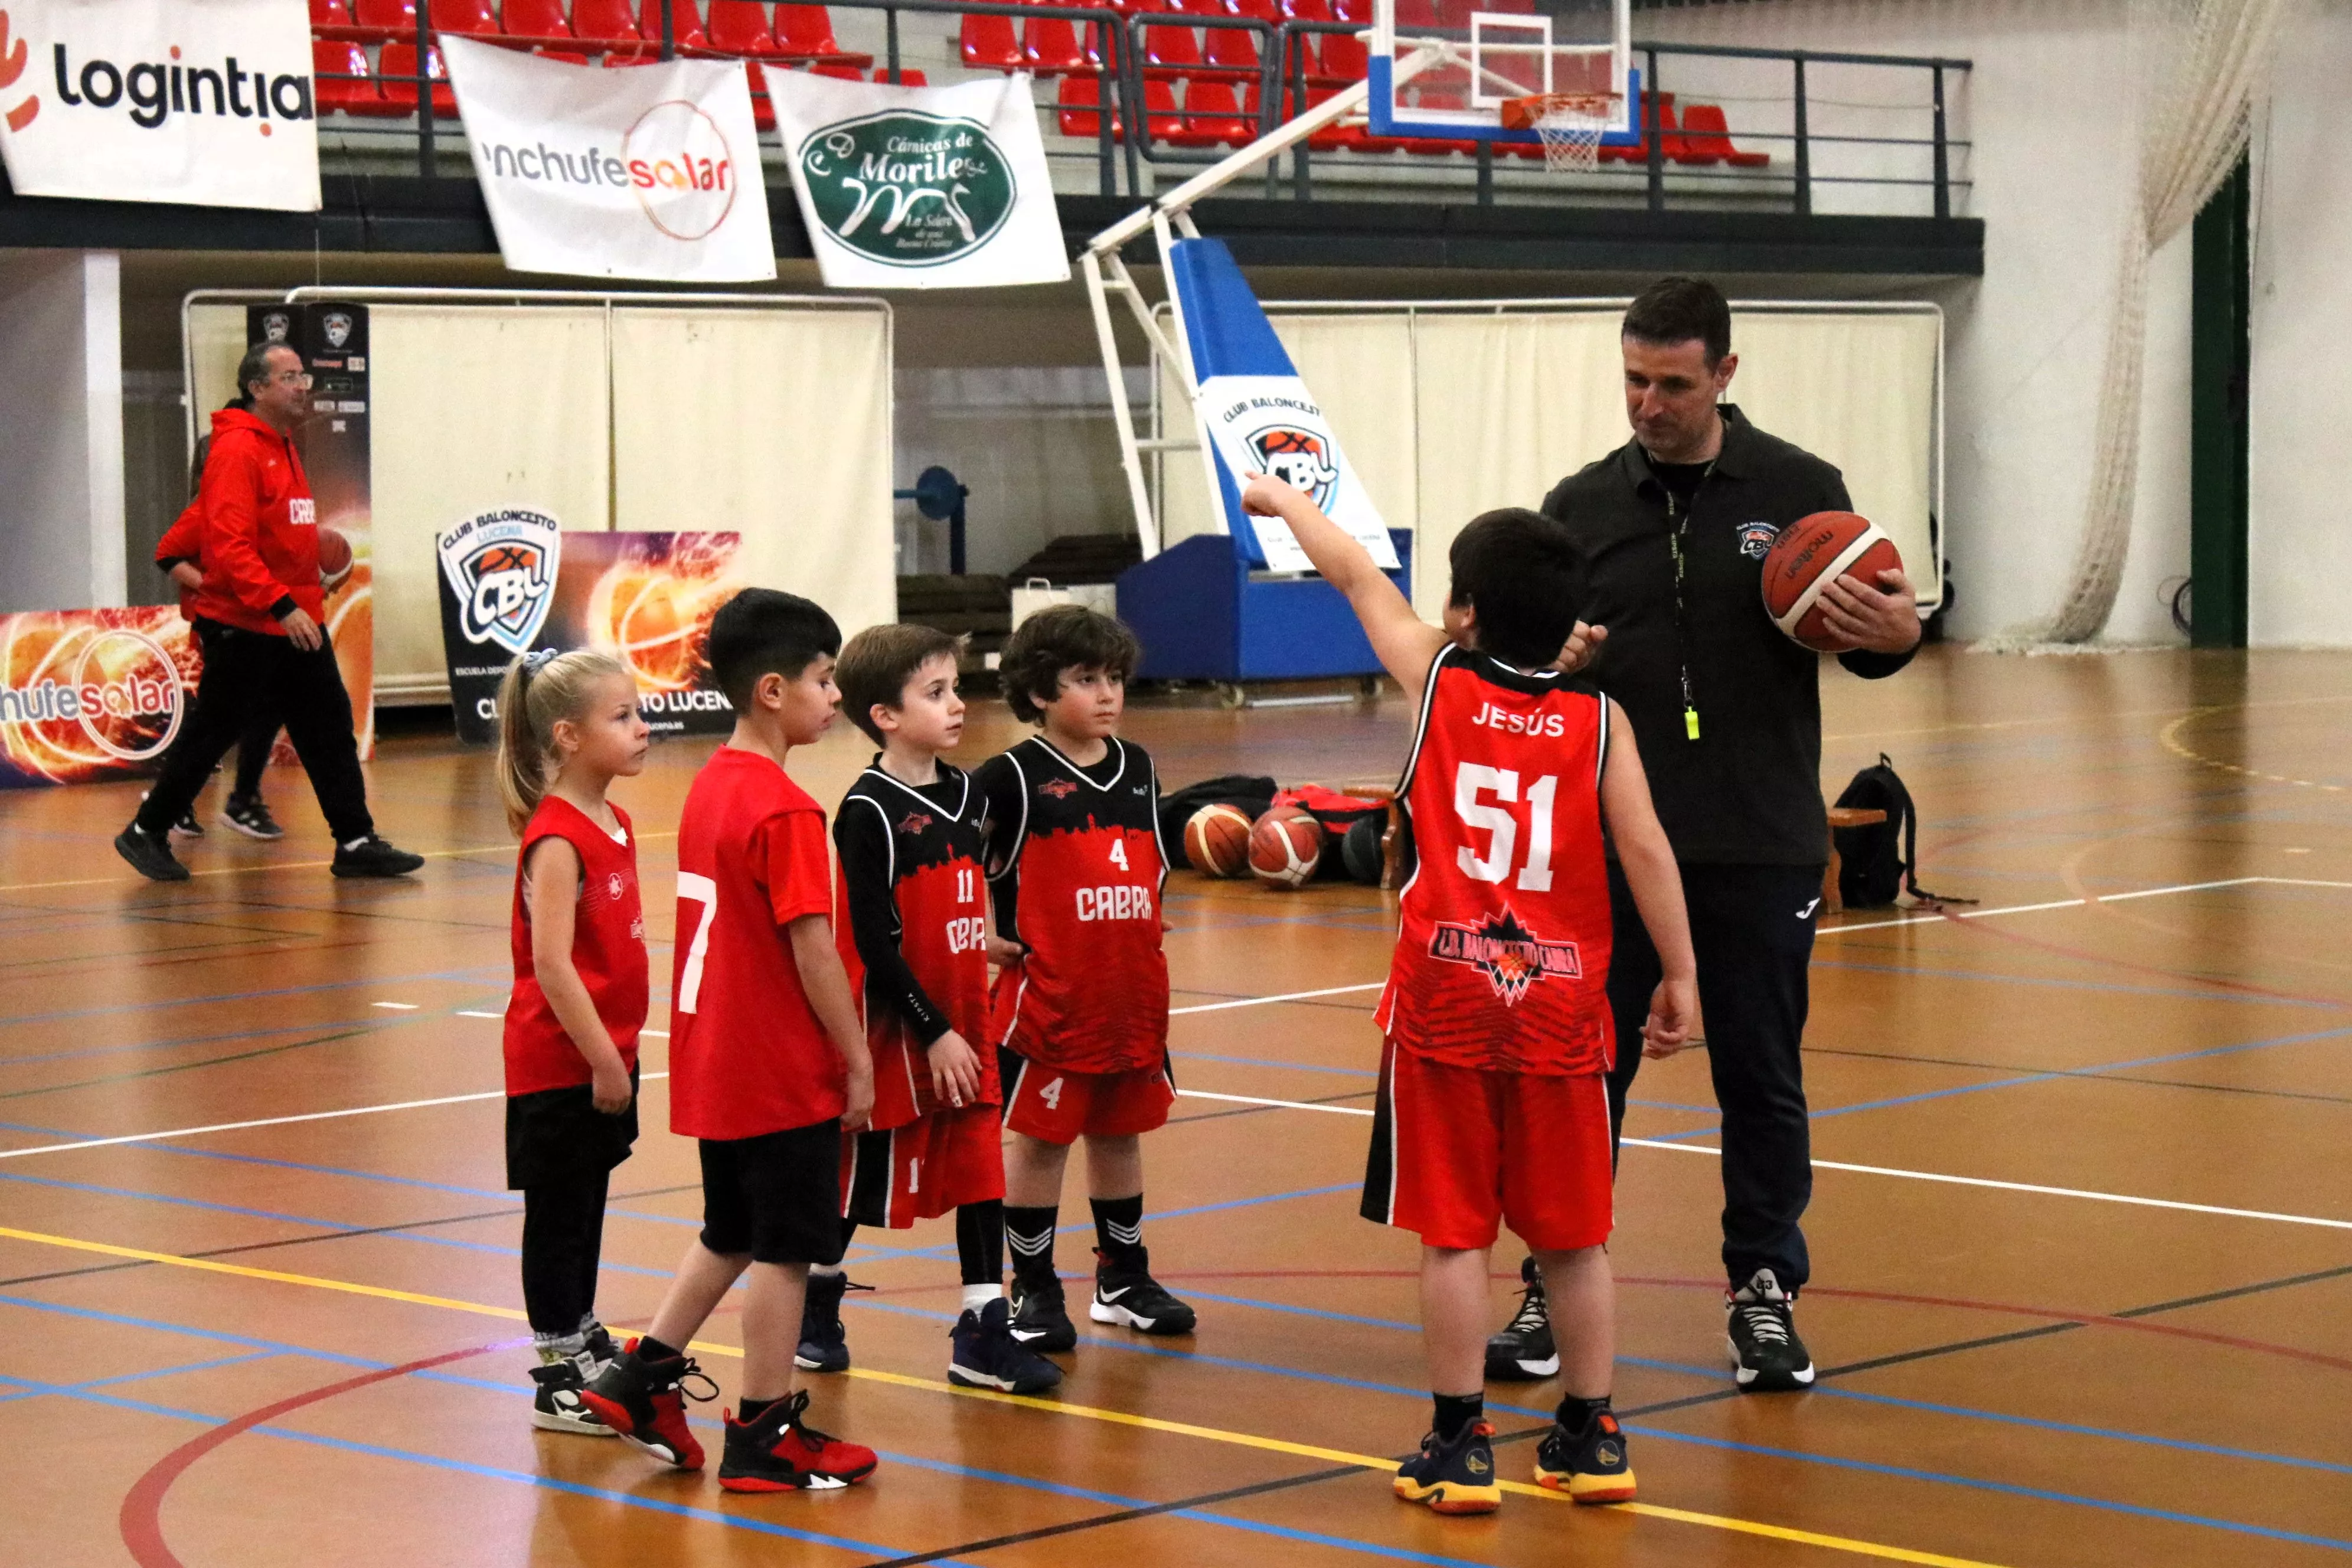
pixel 1492 1103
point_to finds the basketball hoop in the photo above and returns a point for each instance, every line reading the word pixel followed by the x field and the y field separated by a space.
pixel 1570 124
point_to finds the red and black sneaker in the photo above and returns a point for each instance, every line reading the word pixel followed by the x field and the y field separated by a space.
pixel 645 1402
pixel 779 1452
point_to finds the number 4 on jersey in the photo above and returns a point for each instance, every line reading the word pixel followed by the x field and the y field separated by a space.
pixel 1118 853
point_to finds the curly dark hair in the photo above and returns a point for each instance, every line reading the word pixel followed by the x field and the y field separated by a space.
pixel 876 664
pixel 1067 637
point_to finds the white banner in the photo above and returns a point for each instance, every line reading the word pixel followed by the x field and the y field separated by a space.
pixel 206 102
pixel 920 187
pixel 1269 424
pixel 648 173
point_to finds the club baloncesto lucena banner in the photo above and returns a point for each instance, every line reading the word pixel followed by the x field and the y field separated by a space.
pixel 206 103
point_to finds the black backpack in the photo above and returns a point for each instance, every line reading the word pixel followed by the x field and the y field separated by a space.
pixel 1881 860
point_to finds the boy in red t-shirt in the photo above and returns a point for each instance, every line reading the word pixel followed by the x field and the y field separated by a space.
pixel 768 1062
pixel 1492 1104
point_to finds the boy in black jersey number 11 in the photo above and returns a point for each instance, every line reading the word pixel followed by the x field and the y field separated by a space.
pixel 1492 1103
pixel 1080 1011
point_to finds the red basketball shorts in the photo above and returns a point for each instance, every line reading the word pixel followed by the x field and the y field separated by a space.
pixel 1054 1105
pixel 1457 1150
pixel 931 1165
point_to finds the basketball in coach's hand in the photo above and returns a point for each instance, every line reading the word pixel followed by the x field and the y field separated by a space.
pixel 334 556
pixel 1810 553
pixel 1285 847
pixel 1216 841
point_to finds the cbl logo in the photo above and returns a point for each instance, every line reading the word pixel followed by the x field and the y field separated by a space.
pixel 908 188
pixel 1298 457
pixel 501 569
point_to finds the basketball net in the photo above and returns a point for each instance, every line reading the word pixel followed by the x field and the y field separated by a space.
pixel 1570 124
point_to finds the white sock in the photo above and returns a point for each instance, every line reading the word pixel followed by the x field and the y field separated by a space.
pixel 976 1297
pixel 824 1270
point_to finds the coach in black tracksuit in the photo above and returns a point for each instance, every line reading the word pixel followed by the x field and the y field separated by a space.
pixel 1673 529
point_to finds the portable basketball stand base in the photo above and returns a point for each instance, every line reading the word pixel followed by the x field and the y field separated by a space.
pixel 1206 609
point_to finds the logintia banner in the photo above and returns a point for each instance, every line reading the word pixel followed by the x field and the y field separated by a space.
pixel 206 102
pixel 651 173
pixel 914 188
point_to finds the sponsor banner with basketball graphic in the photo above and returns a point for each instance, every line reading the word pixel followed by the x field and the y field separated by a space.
pixel 1257 416
pixel 920 187
pixel 652 172
pixel 160 100
pixel 512 581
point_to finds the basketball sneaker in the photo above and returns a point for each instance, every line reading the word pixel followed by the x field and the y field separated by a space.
pixel 247 814
pixel 372 857
pixel 1761 1331
pixel 555 1402
pixel 1454 1477
pixel 1591 1466
pixel 779 1452
pixel 824 1343
pixel 150 856
pixel 983 1353
pixel 645 1402
pixel 188 826
pixel 1040 1321
pixel 1132 1299
pixel 1523 1351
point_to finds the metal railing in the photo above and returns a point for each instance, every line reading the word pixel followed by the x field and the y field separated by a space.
pixel 1673 166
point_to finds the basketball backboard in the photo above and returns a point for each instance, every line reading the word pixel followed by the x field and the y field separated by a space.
pixel 1503 49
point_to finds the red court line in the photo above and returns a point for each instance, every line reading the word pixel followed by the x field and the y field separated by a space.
pixel 143 1506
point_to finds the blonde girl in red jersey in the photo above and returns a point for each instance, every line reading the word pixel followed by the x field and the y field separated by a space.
pixel 568 726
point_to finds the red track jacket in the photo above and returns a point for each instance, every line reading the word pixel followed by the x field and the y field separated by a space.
pixel 261 529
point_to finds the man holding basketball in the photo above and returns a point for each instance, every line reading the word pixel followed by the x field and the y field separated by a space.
pixel 259 611
pixel 1672 530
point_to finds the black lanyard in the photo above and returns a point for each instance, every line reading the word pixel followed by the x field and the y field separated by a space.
pixel 1677 537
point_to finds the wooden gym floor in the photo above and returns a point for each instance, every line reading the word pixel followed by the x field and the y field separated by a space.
pixel 2082 1226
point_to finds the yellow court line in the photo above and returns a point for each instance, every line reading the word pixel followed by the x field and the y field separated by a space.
pixel 1052 1406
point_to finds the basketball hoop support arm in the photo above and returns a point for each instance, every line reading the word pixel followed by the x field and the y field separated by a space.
pixel 1165 216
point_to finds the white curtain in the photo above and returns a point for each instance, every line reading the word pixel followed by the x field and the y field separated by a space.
pixel 2199 66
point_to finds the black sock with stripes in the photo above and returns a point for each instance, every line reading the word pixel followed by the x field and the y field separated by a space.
pixel 1119 1232
pixel 1030 1233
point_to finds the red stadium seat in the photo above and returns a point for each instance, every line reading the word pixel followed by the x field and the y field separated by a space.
pixel 400 61
pixel 1705 132
pixel 622 62
pixel 1170 51
pixel 838 73
pixel 1050 46
pixel 1079 103
pixel 764 110
pixel 740 28
pixel 1230 48
pixel 534 19
pixel 344 59
pixel 1212 117
pixel 907 75
pixel 330 14
pixel 684 20
pixel 1342 58
pixel 463 17
pixel 1340 138
pixel 387 18
pixel 569 57
pixel 808 30
pixel 988 44
pixel 1161 119
pixel 606 21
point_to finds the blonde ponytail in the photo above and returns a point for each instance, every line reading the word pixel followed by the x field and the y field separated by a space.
pixel 537 690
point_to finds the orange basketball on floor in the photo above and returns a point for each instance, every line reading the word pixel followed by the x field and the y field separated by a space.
pixel 1812 552
pixel 1217 840
pixel 1285 847
pixel 334 555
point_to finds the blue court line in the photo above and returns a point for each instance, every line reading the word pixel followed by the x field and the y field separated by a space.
pixel 948 1250
pixel 34 1390
pixel 2058 983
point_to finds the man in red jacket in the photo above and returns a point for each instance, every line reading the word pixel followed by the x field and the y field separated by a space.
pixel 257 614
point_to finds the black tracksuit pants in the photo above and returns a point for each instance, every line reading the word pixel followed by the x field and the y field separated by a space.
pixel 562 1243
pixel 1752 927
pixel 246 675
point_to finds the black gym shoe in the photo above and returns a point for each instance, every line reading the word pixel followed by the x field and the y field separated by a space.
pixel 250 816
pixel 1132 1299
pixel 150 857
pixel 1039 1319
pixel 555 1404
pixel 1761 1331
pixel 983 1353
pixel 1523 1351
pixel 1594 1466
pixel 645 1402
pixel 371 857
pixel 824 1343
pixel 596 1344
pixel 1453 1478
pixel 188 826
pixel 777 1451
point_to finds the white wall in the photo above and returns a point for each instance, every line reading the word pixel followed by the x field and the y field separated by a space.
pixel 61 544
pixel 2300 588
pixel 2050 165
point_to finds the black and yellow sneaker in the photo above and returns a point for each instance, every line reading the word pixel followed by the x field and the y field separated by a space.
pixel 1593 1466
pixel 1454 1477
pixel 1523 1351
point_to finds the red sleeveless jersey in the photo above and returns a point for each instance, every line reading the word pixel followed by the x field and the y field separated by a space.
pixel 608 949
pixel 1502 954
pixel 1076 867
pixel 938 915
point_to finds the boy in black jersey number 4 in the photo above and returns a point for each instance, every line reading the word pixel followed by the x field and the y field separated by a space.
pixel 1081 1009
pixel 1492 1098
pixel 914 932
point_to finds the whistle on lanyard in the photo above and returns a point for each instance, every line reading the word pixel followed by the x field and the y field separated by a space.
pixel 1690 723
